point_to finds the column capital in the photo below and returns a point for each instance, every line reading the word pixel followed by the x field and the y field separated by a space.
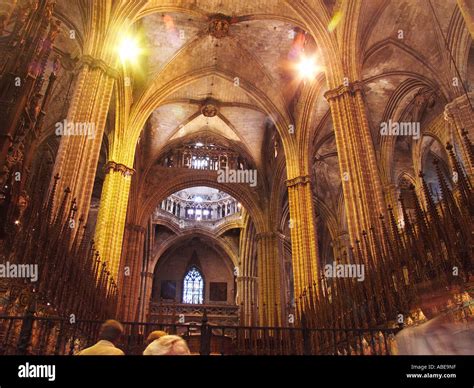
pixel 96 63
pixel 299 180
pixel 118 167
pixel 262 235
pixel 136 228
pixel 242 278
pixel 460 102
pixel 340 90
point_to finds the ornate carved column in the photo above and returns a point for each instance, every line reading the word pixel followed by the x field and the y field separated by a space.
pixel 25 53
pixel 130 271
pixel 361 181
pixel 303 235
pixel 460 116
pixel 78 153
pixel 25 94
pixel 269 290
pixel 112 213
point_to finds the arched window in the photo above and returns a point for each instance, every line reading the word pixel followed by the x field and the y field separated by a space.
pixel 193 287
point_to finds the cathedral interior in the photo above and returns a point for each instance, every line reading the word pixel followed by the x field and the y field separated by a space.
pixel 273 176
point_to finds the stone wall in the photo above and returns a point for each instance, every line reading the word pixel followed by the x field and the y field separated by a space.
pixel 214 268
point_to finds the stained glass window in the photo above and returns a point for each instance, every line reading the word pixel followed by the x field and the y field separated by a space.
pixel 193 287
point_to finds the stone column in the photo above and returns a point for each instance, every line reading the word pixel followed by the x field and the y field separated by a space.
pixel 361 181
pixel 247 277
pixel 112 213
pixel 460 117
pixel 303 235
pixel 269 290
pixel 130 271
pixel 82 133
pixel 286 305
pixel 146 275
pixel 147 293
pixel 246 295
pixel 467 11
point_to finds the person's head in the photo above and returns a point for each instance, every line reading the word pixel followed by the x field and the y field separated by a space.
pixel 154 335
pixel 168 345
pixel 111 330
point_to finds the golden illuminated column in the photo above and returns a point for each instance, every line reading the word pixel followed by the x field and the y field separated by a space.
pixel 361 183
pixel 460 116
pixel 112 213
pixel 269 282
pixel 303 236
pixel 106 25
pixel 82 131
pixel 130 271
pixel 247 276
pixel 287 291
pixel 116 189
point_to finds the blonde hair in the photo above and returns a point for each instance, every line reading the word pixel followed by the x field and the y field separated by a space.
pixel 154 335
pixel 168 345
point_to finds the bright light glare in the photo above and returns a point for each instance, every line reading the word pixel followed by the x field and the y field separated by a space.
pixel 129 50
pixel 335 21
pixel 307 67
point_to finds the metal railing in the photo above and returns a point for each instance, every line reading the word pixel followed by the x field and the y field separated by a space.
pixel 192 223
pixel 218 314
pixel 32 335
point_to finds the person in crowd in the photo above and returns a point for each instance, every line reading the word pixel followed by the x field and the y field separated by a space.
pixel 439 336
pixel 154 335
pixel 109 335
pixel 167 345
